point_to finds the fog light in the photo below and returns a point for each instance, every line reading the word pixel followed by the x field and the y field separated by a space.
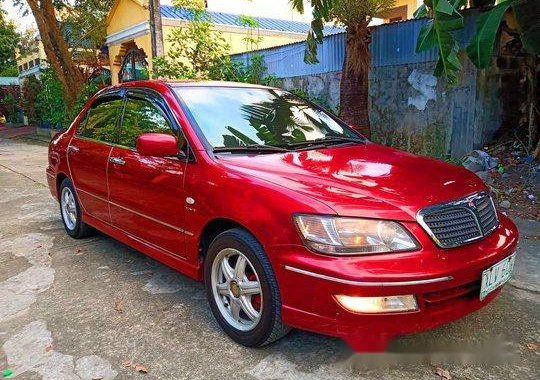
pixel 386 304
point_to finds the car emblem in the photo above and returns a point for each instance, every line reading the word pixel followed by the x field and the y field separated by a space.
pixel 471 204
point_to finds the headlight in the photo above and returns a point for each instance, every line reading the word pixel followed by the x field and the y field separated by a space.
pixel 350 236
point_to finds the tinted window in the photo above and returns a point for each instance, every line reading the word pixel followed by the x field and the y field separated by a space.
pixel 141 116
pixel 100 121
pixel 229 117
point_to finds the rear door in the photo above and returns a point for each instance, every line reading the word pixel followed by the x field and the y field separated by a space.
pixel 88 154
pixel 147 193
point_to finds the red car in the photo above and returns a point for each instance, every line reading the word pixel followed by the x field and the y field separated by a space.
pixel 290 217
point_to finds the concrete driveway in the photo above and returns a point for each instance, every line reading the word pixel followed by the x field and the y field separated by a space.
pixel 95 309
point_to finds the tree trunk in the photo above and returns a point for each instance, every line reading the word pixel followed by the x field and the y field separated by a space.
pixel 354 89
pixel 56 49
pixel 156 28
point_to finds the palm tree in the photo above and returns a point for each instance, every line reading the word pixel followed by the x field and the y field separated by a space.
pixel 355 16
pixel 274 121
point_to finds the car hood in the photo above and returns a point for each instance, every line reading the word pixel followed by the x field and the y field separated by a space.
pixel 368 180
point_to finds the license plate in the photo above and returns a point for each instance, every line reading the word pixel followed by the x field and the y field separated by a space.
pixel 496 275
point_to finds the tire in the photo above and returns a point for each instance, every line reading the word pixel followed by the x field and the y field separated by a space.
pixel 268 327
pixel 72 219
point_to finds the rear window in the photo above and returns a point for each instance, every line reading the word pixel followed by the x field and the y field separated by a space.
pixel 100 121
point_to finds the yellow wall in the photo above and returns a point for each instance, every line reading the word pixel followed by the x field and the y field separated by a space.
pixel 114 50
pixel 412 5
pixel 235 38
pixel 238 44
pixel 143 42
pixel 127 13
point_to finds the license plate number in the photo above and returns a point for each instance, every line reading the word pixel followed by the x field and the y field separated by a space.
pixel 496 275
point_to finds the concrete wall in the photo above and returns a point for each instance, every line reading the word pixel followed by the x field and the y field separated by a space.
pixel 413 110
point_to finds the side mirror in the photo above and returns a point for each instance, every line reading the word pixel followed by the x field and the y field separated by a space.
pixel 157 145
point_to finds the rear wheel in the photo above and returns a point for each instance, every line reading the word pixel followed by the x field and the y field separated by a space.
pixel 242 289
pixel 71 212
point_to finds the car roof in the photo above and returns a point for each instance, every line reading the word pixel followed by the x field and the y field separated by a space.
pixel 213 83
pixel 188 83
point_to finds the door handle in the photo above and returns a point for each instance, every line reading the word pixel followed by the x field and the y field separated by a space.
pixel 73 148
pixel 117 160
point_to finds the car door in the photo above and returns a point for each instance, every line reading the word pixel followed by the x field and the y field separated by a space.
pixel 146 193
pixel 88 154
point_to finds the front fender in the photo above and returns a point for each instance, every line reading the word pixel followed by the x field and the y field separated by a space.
pixel 263 208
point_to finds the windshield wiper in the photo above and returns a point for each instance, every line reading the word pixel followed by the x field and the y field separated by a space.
pixel 326 141
pixel 250 148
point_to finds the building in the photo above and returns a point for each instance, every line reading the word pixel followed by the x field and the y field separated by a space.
pixel 34 62
pixel 129 36
pixel 133 26
pixel 403 10
pixel 31 64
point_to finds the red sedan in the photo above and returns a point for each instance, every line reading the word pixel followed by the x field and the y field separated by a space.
pixel 290 217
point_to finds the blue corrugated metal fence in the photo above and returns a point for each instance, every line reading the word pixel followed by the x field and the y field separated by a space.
pixel 392 44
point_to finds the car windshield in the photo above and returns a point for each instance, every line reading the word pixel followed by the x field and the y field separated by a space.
pixel 243 117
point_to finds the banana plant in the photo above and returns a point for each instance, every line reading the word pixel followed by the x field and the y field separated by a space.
pixel 446 18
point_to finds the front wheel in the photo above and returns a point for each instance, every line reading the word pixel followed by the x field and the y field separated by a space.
pixel 242 289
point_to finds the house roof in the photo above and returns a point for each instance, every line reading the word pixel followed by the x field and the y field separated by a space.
pixel 9 81
pixel 229 19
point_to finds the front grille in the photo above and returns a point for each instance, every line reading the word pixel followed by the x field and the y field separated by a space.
pixel 460 222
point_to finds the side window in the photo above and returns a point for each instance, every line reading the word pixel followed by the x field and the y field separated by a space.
pixel 100 121
pixel 141 116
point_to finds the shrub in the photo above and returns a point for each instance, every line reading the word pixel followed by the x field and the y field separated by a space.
pixel 30 89
pixel 43 99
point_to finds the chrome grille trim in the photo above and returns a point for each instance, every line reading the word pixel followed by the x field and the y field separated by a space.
pixel 460 222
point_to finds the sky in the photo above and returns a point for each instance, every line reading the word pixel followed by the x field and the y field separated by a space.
pixel 14 14
pixel 262 8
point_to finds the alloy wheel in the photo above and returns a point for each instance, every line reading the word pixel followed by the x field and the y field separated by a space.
pixel 69 209
pixel 237 289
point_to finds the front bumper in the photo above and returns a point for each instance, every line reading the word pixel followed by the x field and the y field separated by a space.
pixel 446 284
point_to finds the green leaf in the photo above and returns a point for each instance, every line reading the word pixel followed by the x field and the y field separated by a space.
pixel 240 136
pixel 321 13
pixel 451 76
pixel 317 25
pixel 480 49
pixel 458 4
pixel 297 5
pixel 452 22
pixel 444 6
pixel 427 39
pixel 526 13
pixel 443 23
pixel 310 53
pixel 422 11
pixel 439 67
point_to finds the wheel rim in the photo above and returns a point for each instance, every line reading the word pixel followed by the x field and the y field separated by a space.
pixel 69 210
pixel 237 289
